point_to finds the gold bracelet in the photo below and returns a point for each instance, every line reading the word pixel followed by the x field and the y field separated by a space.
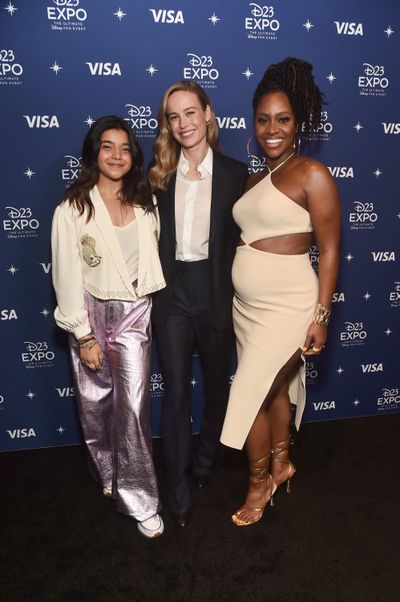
pixel 322 315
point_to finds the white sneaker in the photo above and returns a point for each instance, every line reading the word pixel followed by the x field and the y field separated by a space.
pixel 151 527
pixel 107 492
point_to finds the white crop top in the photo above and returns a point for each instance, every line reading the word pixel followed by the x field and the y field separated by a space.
pixel 266 212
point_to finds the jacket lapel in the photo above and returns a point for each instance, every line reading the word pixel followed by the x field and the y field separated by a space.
pixel 217 197
pixel 166 210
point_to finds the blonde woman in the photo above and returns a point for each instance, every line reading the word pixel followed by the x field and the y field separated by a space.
pixel 196 187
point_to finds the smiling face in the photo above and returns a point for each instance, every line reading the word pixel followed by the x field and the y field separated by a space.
pixel 114 159
pixel 275 126
pixel 188 120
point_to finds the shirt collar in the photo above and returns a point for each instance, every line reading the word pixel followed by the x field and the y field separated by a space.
pixel 205 168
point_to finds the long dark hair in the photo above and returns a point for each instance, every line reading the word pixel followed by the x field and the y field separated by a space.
pixel 135 189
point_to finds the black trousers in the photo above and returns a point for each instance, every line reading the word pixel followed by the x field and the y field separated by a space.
pixel 190 319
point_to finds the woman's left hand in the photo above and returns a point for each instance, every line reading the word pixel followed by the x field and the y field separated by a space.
pixel 315 339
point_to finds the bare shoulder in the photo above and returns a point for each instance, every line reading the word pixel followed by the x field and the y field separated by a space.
pixel 319 186
pixel 313 171
pixel 254 178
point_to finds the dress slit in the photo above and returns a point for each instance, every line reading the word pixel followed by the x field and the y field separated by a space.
pixel 275 297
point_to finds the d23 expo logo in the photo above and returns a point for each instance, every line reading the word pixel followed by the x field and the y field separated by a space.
pixel 354 334
pixel 141 121
pixel 311 373
pixel 373 82
pixel 156 385
pixel 314 257
pixel 388 400
pixel 10 70
pixel 67 15
pixel 255 162
pixel 262 23
pixel 363 217
pixel 37 355
pixel 322 132
pixel 202 70
pixel 20 223
pixel 394 295
pixel 71 172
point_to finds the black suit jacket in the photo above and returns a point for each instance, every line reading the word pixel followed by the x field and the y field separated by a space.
pixel 228 181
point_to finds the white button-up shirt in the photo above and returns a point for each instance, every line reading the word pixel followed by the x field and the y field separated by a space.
pixel 192 210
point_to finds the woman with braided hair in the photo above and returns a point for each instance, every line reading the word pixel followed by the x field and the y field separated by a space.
pixel 280 309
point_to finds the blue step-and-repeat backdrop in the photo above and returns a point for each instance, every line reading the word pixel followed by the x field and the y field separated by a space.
pixel 65 62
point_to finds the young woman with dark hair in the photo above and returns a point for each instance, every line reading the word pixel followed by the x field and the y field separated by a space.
pixel 105 265
pixel 281 309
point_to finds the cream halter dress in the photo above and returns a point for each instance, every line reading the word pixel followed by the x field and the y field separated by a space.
pixel 273 306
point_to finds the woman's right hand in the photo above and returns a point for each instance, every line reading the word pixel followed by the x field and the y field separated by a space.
pixel 92 357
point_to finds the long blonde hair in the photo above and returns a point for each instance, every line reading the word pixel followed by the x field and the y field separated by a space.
pixel 166 148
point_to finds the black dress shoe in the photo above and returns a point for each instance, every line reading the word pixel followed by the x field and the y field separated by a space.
pixel 182 517
pixel 201 480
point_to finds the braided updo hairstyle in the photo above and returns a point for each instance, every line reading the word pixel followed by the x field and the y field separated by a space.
pixel 294 78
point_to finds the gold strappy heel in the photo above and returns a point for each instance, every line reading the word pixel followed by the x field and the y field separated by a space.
pixel 280 453
pixel 258 474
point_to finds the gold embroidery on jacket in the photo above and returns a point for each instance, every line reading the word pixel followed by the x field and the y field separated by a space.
pixel 89 251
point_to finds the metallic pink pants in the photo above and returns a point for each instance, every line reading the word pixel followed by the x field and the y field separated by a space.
pixel 113 404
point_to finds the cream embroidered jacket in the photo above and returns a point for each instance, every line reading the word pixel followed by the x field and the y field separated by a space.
pixel 88 256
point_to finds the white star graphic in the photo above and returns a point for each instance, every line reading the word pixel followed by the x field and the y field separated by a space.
pixel 45 312
pixel 367 296
pixel 214 19
pixel 340 370
pixel 61 429
pixel 389 31
pixel 349 257
pixel 358 127
pixel 12 270
pixel 89 121
pixel 388 332
pixel 248 73
pixel 29 173
pixel 151 70
pixel 56 67
pixel 10 8
pixel 30 395
pixel 119 14
pixel 356 402
pixel 308 25
pixel 193 382
pixel 377 172
pixel 331 78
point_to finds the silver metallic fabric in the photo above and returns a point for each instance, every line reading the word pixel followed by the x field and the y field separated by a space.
pixel 113 404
